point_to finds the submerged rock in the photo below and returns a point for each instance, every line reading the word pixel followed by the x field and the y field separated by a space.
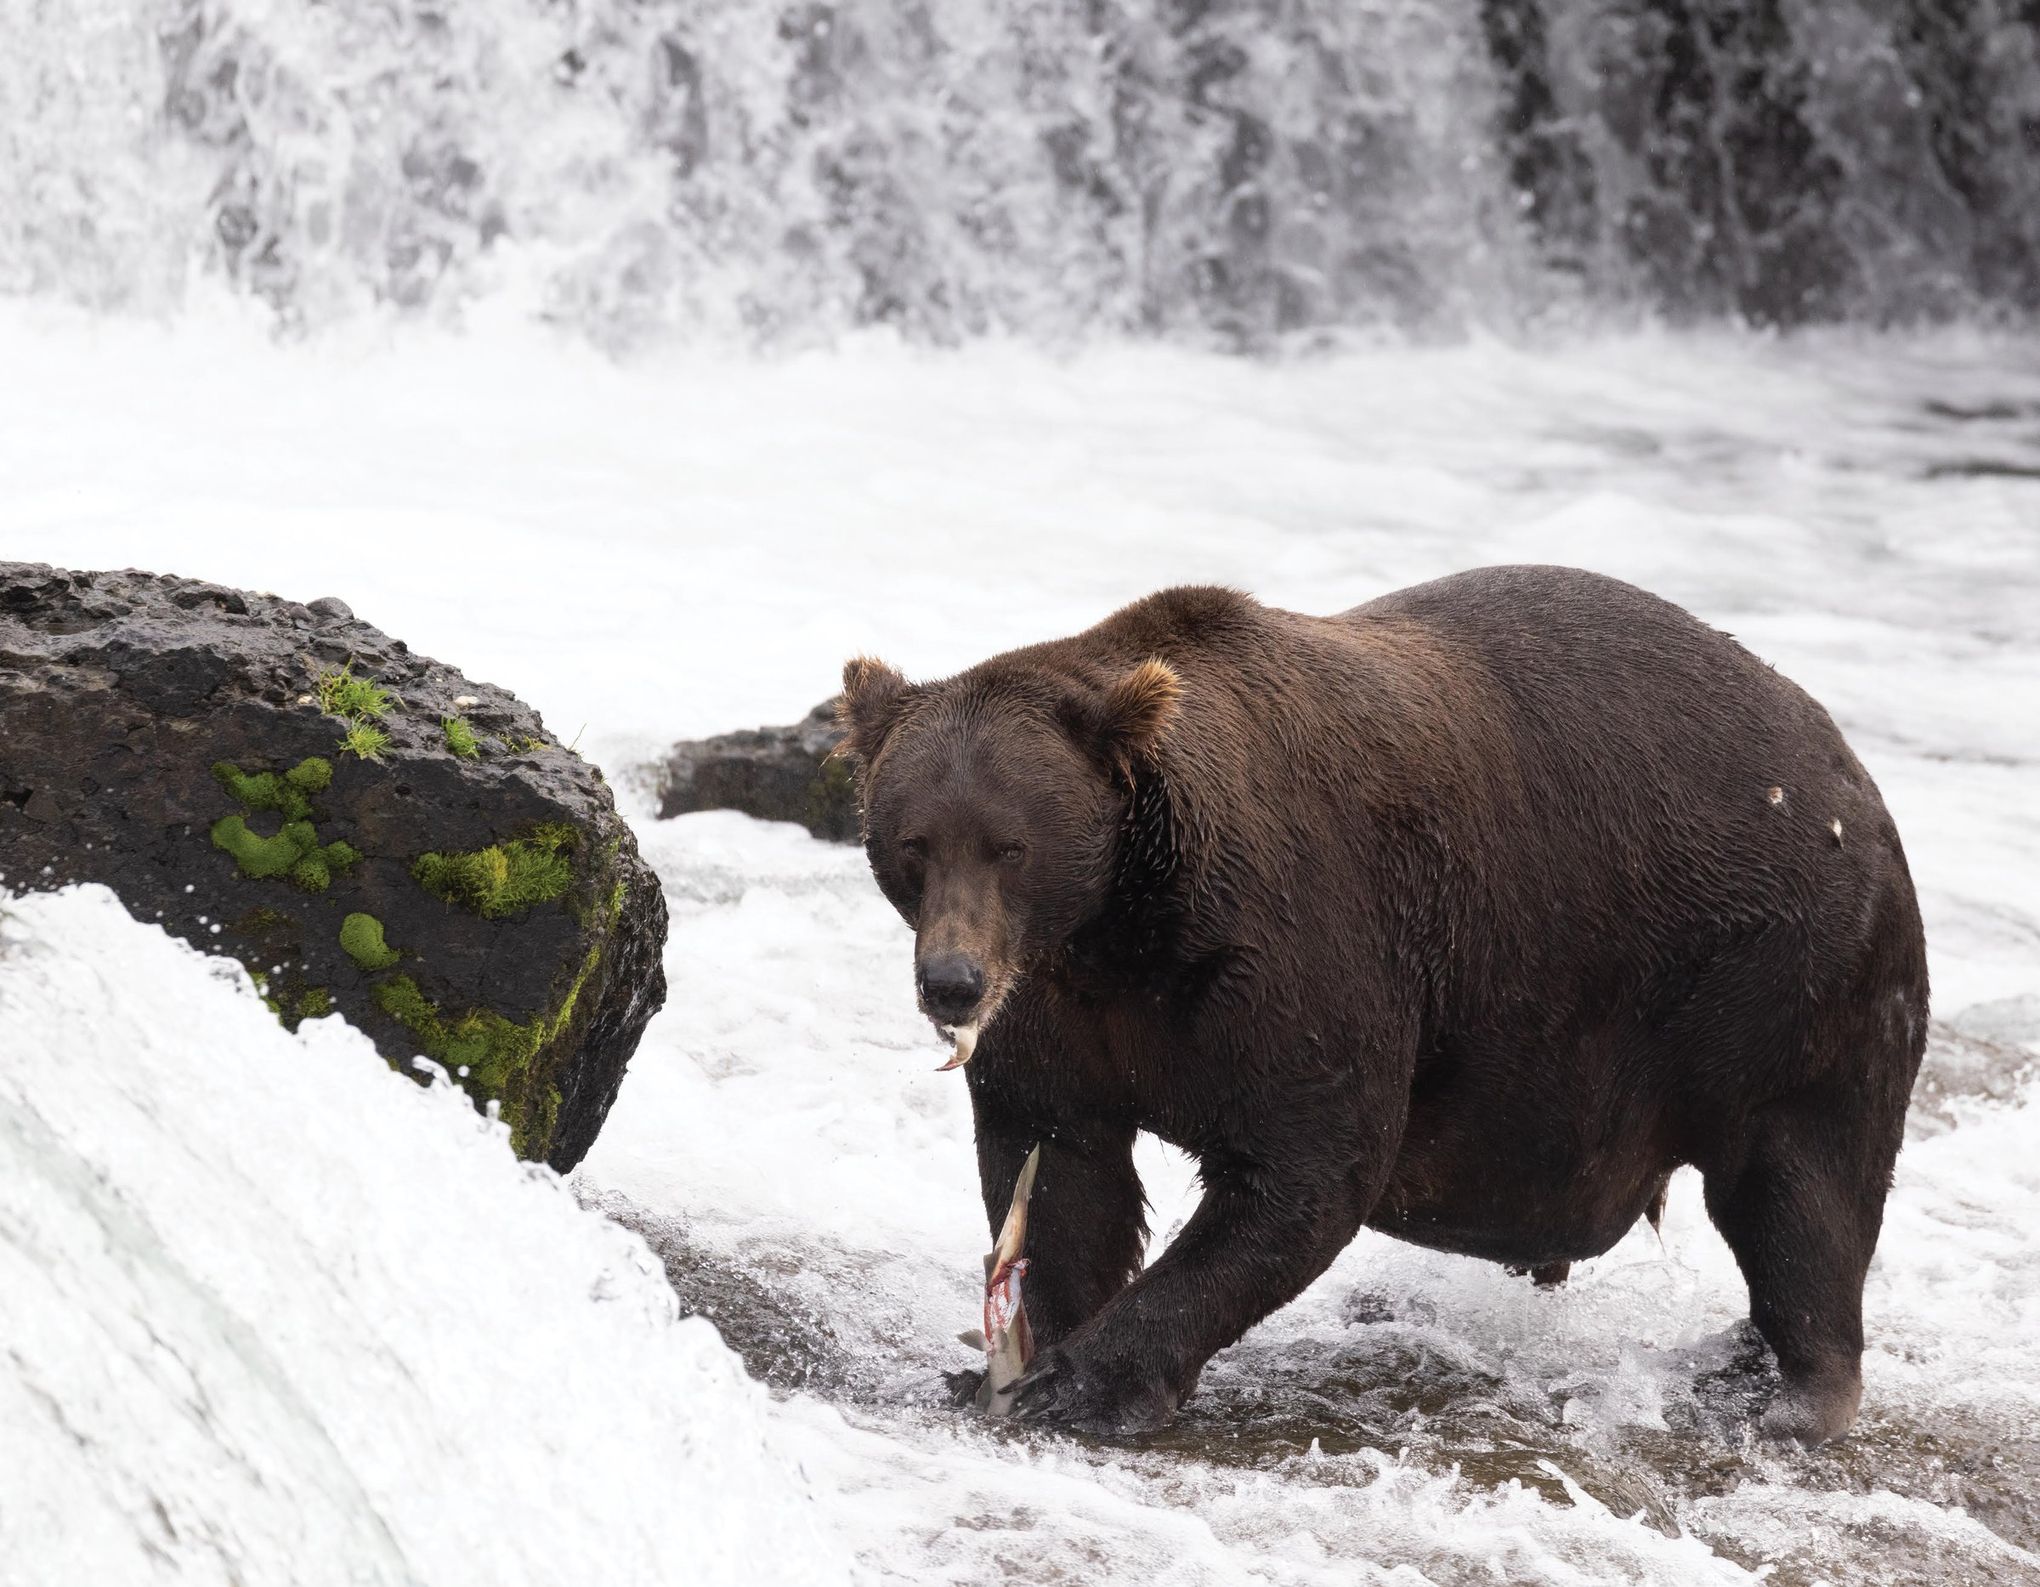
pixel 365 829
pixel 774 773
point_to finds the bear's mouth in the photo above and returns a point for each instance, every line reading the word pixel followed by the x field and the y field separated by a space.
pixel 965 1034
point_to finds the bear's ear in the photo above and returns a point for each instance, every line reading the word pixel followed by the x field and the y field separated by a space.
pixel 873 697
pixel 1126 724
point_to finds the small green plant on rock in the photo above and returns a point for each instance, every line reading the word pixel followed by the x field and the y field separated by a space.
pixel 357 702
pixel 460 738
pixel 504 877
pixel 343 694
pixel 365 740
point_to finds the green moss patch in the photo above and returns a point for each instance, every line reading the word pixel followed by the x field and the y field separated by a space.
pixel 516 1063
pixel 257 856
pixel 492 1057
pixel 361 939
pixel 261 980
pixel 503 878
pixel 487 1047
pixel 295 850
pixel 499 1059
pixel 289 793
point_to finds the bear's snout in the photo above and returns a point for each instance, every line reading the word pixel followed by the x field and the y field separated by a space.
pixel 951 987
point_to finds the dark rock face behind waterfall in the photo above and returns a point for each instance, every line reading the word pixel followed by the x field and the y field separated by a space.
pixel 1781 161
pixel 1229 171
pixel 364 828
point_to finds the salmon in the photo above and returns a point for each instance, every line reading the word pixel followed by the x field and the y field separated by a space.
pixel 1007 1341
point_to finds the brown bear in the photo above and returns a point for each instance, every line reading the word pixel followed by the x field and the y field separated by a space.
pixel 1467 915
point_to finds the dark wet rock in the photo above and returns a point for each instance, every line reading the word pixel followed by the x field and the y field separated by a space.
pixel 182 743
pixel 1986 1053
pixel 785 1336
pixel 773 773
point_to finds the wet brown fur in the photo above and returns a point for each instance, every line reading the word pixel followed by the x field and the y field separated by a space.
pixel 1466 914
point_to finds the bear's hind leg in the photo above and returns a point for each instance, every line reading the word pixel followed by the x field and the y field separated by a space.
pixel 1800 1206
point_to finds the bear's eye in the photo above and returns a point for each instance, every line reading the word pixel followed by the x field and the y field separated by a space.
pixel 914 848
pixel 1010 853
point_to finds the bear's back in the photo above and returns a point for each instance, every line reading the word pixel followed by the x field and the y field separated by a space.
pixel 1666 774
pixel 1596 671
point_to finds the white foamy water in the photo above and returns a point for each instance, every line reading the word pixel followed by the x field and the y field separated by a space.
pixel 1229 173
pixel 402 1341
pixel 275 1315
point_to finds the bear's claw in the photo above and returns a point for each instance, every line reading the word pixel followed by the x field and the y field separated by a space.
pixel 1063 1389
pixel 1814 1410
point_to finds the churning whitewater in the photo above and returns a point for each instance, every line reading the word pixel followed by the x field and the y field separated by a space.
pixel 273 1307
pixel 328 300
pixel 1212 171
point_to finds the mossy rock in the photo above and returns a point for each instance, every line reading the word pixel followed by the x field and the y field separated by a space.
pixel 774 773
pixel 469 895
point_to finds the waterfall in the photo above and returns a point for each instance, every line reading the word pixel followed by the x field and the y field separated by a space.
pixel 1226 171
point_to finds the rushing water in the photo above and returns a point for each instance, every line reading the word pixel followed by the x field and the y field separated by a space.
pixel 1213 169
pixel 688 542
pixel 1628 1397
pixel 669 547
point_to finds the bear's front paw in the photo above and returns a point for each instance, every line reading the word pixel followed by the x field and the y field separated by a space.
pixel 1068 1389
pixel 1813 1408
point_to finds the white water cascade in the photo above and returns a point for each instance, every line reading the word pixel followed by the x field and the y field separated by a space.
pixel 1226 171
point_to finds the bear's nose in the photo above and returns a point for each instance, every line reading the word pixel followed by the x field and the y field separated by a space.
pixel 951 986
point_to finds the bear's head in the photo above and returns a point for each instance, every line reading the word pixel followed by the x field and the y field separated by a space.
pixel 993 803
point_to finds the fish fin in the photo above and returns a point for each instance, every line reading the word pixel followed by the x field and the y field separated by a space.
pixel 1023 1187
pixel 1012 1238
pixel 973 1338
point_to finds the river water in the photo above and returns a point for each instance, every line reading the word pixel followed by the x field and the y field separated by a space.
pixel 649 359
pixel 691 542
